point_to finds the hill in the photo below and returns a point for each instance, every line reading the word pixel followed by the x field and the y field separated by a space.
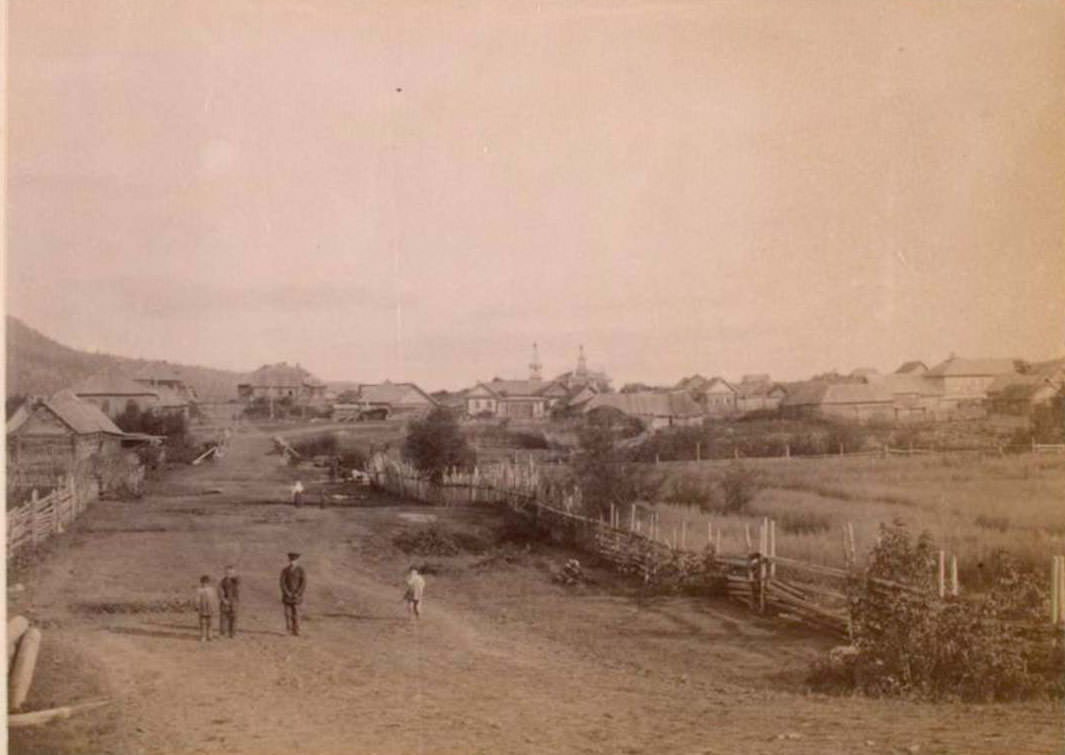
pixel 40 366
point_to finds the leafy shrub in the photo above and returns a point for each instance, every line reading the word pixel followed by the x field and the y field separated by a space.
pixel 436 444
pixel 739 486
pixel 910 642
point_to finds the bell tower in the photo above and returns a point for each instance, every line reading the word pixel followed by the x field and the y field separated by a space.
pixel 582 364
pixel 535 368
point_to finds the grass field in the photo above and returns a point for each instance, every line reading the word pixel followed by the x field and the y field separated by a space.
pixel 972 505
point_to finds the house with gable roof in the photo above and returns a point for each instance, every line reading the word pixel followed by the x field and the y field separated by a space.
pixel 964 382
pixel 283 381
pixel 384 400
pixel 53 437
pixel 113 393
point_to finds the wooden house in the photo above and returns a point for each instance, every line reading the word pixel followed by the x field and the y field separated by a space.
pixel 758 393
pixel 113 393
pixel 858 402
pixel 964 383
pixel 514 399
pixel 383 400
pixel 283 382
pixel 58 436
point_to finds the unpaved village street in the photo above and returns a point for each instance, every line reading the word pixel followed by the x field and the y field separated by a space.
pixel 504 661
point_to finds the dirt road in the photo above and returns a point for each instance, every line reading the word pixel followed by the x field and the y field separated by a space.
pixel 503 660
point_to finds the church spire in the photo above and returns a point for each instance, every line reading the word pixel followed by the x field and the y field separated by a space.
pixel 535 368
pixel 582 364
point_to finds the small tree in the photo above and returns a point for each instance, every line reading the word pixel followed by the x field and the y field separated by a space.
pixel 602 471
pixel 436 444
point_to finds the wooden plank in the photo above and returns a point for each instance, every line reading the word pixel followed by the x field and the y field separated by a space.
pixel 38 717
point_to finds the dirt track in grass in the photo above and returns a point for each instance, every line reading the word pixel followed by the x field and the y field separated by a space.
pixel 503 660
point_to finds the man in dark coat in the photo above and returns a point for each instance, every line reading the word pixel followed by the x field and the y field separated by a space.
pixel 228 598
pixel 293 583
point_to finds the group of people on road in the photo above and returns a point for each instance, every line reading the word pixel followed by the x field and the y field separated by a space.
pixel 225 599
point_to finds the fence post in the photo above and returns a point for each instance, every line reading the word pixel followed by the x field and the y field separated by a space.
pixel 772 548
pixel 717 542
pixel 33 516
pixel 683 534
pixel 942 577
pixel 954 590
pixel 747 535
pixel 1061 589
pixel 1057 574
pixel 709 533
pixel 632 518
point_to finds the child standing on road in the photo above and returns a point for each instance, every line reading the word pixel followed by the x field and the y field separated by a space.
pixel 414 592
pixel 206 604
pixel 297 494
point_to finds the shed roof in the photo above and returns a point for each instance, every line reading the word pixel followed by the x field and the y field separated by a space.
pixel 908 383
pixel 823 394
pixel 80 416
pixel 959 367
pixel 282 375
pixel 648 404
pixel 111 384
pixel 393 393
pixel 522 388
pixel 913 367
pixel 163 371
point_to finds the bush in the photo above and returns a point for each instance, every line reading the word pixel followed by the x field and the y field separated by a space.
pixel 739 486
pixel 910 642
pixel 436 444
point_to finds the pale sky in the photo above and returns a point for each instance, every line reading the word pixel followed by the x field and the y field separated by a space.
pixel 420 190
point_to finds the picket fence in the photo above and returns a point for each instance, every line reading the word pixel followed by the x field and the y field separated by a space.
pixel 40 518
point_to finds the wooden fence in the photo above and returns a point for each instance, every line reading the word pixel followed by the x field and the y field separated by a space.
pixel 760 579
pixel 38 519
pixel 815 594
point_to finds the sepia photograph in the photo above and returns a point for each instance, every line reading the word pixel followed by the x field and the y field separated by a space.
pixel 445 377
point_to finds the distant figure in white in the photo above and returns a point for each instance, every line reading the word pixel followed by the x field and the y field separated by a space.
pixel 297 494
pixel 413 594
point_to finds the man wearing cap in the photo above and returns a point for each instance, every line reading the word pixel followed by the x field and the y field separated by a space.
pixel 293 583
pixel 229 597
